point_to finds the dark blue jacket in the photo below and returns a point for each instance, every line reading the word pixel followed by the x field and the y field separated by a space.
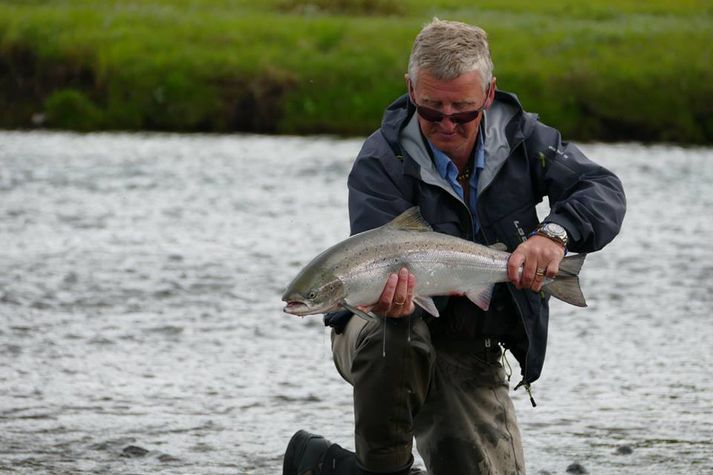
pixel 525 161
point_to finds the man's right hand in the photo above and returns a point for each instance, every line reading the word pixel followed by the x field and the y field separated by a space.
pixel 396 301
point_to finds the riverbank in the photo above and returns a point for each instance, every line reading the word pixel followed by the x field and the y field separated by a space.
pixel 603 71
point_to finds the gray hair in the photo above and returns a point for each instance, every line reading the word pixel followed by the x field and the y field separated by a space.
pixel 447 49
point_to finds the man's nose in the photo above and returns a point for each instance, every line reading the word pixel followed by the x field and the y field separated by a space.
pixel 447 124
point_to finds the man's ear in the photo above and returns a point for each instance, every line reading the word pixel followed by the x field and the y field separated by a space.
pixel 409 87
pixel 491 94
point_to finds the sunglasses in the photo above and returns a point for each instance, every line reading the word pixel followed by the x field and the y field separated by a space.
pixel 432 115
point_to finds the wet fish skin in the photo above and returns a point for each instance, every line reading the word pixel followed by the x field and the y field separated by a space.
pixel 354 271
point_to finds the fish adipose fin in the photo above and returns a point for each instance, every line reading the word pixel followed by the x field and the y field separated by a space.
pixel 565 286
pixel 368 316
pixel 427 304
pixel 410 220
pixel 481 297
pixel 499 246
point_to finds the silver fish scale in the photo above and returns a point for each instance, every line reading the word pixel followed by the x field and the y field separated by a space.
pixel 442 264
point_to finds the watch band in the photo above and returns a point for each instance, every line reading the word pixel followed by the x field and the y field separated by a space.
pixel 553 231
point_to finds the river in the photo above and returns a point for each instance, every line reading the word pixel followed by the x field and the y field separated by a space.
pixel 142 331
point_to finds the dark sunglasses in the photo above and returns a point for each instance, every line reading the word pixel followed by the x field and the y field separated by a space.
pixel 433 115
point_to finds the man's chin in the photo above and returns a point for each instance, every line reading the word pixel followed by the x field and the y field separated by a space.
pixel 447 145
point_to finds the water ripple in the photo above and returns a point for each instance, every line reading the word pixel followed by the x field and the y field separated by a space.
pixel 143 332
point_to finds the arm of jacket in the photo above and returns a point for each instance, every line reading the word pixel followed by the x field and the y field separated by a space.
pixel 585 198
pixel 378 188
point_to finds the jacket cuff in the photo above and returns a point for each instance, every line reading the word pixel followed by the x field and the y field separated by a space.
pixel 567 224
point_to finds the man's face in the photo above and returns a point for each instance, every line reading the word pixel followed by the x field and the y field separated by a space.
pixel 461 94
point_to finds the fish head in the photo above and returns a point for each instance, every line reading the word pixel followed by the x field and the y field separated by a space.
pixel 312 293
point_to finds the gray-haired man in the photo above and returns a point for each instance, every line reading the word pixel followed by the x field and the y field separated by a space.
pixel 476 164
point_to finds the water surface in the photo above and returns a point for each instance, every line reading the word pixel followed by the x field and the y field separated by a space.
pixel 140 307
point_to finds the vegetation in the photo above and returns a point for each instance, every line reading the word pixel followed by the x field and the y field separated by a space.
pixel 598 70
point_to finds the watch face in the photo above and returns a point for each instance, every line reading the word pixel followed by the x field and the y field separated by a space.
pixel 555 230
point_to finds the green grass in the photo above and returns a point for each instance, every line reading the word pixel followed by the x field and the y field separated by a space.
pixel 604 70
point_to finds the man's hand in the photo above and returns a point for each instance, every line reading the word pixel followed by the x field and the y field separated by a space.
pixel 396 300
pixel 539 257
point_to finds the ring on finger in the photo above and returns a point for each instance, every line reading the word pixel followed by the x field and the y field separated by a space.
pixel 540 271
pixel 399 303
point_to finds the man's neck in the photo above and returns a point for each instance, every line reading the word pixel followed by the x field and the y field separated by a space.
pixel 463 157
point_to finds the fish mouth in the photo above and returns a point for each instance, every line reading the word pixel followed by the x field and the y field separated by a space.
pixel 296 308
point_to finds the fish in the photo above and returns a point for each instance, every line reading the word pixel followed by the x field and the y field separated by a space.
pixel 352 274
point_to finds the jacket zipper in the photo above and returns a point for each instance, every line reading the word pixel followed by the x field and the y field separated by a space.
pixel 529 339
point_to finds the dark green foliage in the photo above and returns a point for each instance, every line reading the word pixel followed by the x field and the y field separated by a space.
pixel 599 70
pixel 71 109
pixel 343 7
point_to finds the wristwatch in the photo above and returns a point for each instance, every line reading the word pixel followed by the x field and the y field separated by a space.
pixel 553 231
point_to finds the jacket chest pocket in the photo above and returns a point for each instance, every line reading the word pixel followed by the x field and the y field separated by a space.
pixel 514 226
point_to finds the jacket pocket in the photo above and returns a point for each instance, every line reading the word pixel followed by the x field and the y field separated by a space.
pixel 514 227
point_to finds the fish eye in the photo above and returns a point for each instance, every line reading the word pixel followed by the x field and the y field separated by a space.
pixel 312 295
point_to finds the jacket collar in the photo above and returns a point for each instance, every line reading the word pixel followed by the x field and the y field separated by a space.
pixel 400 129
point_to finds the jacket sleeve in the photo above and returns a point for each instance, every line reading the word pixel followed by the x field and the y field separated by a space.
pixel 585 198
pixel 376 186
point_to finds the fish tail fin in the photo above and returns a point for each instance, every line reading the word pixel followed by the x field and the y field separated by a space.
pixel 565 286
pixel 571 265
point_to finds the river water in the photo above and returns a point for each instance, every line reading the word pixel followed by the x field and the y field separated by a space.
pixel 141 328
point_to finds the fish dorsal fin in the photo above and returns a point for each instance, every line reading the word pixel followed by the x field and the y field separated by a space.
pixel 499 246
pixel 410 220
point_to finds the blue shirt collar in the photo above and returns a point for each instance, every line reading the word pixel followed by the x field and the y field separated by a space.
pixel 445 166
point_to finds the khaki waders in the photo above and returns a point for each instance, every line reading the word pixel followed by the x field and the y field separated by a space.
pixel 452 395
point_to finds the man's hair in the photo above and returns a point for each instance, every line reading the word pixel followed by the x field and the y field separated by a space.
pixel 447 49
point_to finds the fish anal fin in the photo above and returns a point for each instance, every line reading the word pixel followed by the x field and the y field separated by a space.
pixel 410 220
pixel 481 297
pixel 427 304
pixel 368 316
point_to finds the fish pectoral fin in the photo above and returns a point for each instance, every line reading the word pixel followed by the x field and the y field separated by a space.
pixel 368 316
pixel 427 304
pixel 481 297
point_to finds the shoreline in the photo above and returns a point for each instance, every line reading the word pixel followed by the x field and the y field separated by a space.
pixel 601 72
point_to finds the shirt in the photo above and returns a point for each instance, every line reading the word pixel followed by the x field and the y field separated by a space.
pixel 449 171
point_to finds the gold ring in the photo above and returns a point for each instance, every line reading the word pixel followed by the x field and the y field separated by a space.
pixel 540 272
pixel 399 303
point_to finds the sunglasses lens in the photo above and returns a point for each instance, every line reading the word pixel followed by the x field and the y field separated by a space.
pixel 432 115
pixel 464 117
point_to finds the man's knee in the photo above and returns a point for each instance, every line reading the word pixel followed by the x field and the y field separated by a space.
pixel 394 347
pixel 377 346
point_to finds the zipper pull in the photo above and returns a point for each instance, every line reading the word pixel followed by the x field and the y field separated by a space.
pixel 529 392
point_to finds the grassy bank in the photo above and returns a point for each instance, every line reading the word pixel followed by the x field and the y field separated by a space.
pixel 608 70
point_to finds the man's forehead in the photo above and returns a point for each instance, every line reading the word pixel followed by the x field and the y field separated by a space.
pixel 465 88
pixel 440 100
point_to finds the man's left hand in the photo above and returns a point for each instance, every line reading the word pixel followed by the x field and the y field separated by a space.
pixel 539 257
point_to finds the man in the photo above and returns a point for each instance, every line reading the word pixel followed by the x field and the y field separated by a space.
pixel 476 164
